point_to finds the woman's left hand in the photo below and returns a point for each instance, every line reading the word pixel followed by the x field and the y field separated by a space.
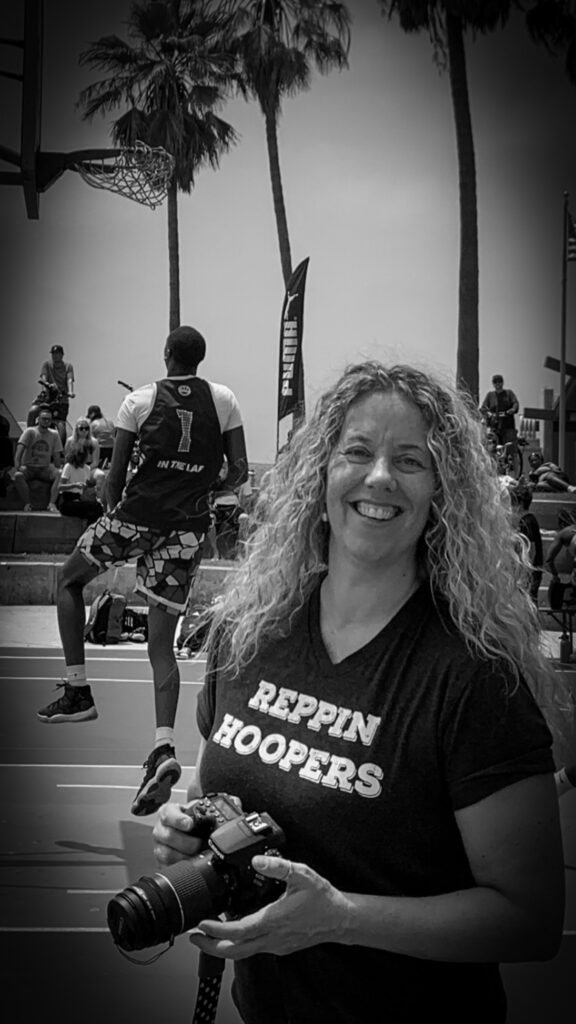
pixel 310 911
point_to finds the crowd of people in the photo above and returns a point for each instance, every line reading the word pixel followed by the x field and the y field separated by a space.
pixel 372 682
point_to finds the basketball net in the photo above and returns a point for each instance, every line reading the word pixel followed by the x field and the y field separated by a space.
pixel 138 172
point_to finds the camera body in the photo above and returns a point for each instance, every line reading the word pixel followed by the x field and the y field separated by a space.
pixel 220 879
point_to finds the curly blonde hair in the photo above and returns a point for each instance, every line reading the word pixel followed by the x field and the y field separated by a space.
pixel 469 550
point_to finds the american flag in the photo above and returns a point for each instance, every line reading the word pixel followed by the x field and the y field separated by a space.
pixel 571 238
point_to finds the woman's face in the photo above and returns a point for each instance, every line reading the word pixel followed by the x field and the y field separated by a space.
pixel 380 482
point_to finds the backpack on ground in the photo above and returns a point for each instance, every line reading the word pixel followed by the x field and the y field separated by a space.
pixel 135 624
pixel 105 623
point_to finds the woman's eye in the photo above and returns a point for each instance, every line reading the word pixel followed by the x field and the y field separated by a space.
pixel 354 454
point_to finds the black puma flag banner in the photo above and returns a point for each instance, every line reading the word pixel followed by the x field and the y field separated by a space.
pixel 291 365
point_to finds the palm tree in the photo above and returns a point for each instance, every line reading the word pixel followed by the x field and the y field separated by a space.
pixel 550 22
pixel 278 43
pixel 172 79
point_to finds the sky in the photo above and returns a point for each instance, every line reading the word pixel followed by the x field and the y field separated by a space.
pixel 369 169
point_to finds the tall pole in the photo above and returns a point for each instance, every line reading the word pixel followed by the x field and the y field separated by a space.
pixel 562 402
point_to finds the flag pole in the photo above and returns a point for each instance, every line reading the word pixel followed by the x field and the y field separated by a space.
pixel 562 400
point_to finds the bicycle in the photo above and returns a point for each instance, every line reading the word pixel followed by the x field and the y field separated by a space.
pixel 57 402
pixel 511 455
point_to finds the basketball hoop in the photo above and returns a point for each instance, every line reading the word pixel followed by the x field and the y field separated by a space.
pixel 138 172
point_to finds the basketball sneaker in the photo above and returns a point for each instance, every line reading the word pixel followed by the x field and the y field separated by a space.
pixel 75 705
pixel 161 772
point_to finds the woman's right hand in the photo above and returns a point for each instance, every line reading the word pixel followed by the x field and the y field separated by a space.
pixel 172 838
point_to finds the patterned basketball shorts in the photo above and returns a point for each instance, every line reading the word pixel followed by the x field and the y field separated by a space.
pixel 166 563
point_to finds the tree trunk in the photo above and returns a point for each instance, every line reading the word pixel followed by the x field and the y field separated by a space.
pixel 278 197
pixel 173 257
pixel 467 375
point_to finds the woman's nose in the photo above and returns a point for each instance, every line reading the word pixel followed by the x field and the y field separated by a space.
pixel 381 473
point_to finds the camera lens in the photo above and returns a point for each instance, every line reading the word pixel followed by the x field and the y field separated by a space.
pixel 160 906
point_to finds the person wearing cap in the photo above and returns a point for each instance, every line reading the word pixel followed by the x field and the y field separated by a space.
pixel 59 374
pixel 498 410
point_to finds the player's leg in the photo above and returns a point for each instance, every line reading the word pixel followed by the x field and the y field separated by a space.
pixel 105 543
pixel 162 769
pixel 76 703
pixel 161 632
pixel 165 578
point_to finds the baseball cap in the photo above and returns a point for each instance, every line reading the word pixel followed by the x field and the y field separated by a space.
pixel 497 377
pixel 57 348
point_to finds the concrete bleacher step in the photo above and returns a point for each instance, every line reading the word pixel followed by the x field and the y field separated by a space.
pixel 547 506
pixel 34 545
pixel 34 580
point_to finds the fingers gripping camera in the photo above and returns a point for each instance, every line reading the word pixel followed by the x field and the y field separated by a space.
pixel 218 880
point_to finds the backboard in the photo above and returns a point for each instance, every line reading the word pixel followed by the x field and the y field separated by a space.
pixel 138 172
pixel 26 21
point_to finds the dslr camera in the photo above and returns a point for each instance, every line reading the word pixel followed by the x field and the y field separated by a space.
pixel 218 880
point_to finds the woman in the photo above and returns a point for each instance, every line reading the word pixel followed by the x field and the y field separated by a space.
pixel 103 431
pixel 76 487
pixel 82 433
pixel 369 686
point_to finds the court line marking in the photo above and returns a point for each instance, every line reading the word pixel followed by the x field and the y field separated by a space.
pixel 101 931
pixel 30 765
pixel 91 892
pixel 80 785
pixel 59 657
pixel 92 681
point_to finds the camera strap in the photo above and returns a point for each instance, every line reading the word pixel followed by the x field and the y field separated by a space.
pixel 210 971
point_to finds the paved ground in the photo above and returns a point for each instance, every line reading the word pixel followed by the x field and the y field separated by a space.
pixel 69 844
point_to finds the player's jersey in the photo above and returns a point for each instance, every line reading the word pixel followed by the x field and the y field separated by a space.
pixel 182 454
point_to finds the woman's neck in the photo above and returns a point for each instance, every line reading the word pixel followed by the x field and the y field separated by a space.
pixel 350 598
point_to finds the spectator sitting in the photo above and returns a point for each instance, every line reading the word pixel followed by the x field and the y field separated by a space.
pixel 528 526
pixel 82 432
pixel 103 432
pixel 38 457
pixel 76 488
pixel 547 476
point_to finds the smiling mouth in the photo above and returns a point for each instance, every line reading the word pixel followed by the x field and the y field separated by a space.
pixel 379 512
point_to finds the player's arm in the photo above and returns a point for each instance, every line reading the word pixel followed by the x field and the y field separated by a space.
pixel 235 451
pixel 116 479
